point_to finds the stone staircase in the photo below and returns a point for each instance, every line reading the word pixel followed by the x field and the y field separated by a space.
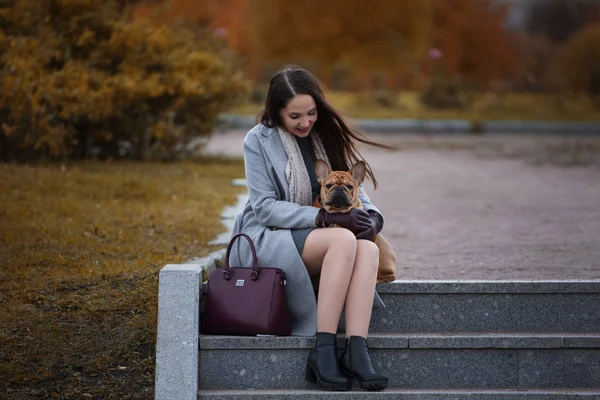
pixel 442 340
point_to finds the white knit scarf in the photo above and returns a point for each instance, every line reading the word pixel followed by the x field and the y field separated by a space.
pixel 295 170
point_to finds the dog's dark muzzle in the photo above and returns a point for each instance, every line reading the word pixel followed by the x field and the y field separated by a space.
pixel 339 198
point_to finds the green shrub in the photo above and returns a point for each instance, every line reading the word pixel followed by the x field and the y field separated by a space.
pixel 580 65
pixel 385 98
pixel 378 98
pixel 441 94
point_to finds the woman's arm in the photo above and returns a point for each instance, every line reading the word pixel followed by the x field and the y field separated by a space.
pixel 366 203
pixel 269 209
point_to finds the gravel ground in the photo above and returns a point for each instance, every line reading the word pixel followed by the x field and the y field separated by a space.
pixel 484 207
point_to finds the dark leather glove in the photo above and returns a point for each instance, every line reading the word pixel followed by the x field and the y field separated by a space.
pixel 375 227
pixel 356 220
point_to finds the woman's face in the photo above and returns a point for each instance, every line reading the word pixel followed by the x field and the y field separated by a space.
pixel 299 115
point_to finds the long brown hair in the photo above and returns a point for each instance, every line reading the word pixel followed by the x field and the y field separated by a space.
pixel 337 137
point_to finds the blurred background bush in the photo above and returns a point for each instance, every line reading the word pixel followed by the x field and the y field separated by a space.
pixel 146 79
pixel 80 77
pixel 476 59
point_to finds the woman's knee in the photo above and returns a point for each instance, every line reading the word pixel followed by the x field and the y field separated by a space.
pixel 322 241
pixel 367 254
pixel 344 238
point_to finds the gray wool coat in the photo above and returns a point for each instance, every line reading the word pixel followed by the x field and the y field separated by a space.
pixel 268 206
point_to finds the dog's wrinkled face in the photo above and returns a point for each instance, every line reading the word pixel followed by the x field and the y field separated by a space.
pixel 339 189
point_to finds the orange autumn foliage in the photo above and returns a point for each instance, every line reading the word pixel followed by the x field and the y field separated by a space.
pixel 226 16
pixel 375 35
pixel 81 73
pixel 473 41
pixel 388 37
pixel 580 64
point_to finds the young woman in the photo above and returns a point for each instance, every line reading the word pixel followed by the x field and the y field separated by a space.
pixel 297 127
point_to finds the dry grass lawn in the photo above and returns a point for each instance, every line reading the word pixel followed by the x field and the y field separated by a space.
pixel 80 250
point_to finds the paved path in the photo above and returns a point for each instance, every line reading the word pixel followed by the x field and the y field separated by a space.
pixel 460 207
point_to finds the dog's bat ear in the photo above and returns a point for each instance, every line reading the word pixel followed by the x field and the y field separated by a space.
pixel 321 170
pixel 358 171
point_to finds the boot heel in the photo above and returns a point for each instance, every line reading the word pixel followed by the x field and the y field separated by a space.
pixel 310 375
pixel 356 362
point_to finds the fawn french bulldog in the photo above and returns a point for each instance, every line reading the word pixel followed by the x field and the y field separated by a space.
pixel 339 194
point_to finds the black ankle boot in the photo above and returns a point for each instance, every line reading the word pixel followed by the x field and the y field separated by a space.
pixel 323 367
pixel 355 362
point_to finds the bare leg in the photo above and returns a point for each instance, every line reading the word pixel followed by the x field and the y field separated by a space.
pixel 359 301
pixel 331 251
pixel 355 359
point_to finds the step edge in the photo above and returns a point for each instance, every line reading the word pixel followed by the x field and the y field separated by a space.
pixel 472 286
pixel 413 341
pixel 540 391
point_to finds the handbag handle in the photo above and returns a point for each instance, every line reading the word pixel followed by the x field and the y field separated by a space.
pixel 226 273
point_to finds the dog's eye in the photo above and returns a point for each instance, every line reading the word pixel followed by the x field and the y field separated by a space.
pixel 350 187
pixel 328 186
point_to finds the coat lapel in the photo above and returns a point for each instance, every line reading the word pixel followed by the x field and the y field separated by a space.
pixel 276 154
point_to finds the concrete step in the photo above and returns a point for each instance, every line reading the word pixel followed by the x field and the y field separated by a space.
pixel 488 306
pixel 402 394
pixel 455 335
pixel 415 361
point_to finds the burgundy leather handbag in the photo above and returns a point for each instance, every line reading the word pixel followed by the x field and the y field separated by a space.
pixel 246 301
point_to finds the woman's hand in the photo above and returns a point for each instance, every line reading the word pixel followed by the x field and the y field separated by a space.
pixel 356 220
pixel 375 227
